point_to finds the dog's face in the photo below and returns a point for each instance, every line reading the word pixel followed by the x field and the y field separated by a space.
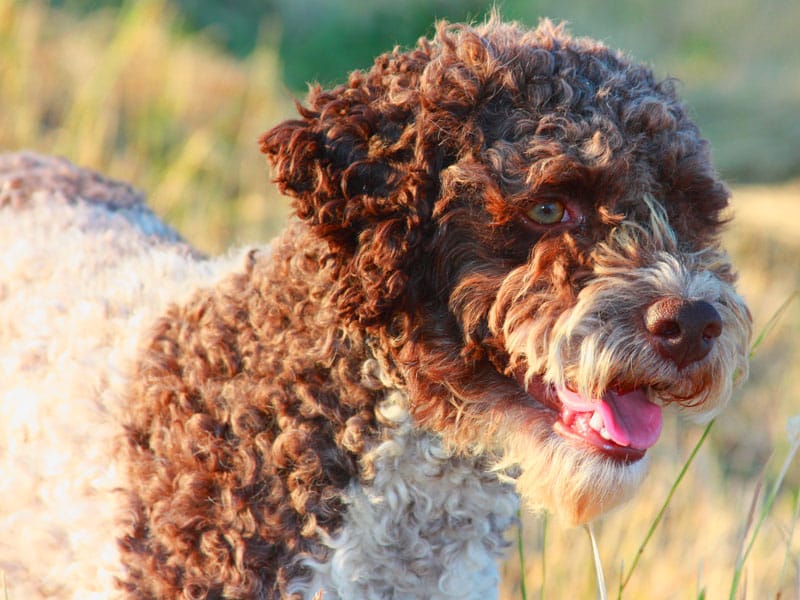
pixel 529 224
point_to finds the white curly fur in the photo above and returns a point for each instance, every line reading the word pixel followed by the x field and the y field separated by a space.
pixel 79 284
pixel 429 525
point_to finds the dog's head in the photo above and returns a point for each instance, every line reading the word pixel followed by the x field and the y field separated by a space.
pixel 529 223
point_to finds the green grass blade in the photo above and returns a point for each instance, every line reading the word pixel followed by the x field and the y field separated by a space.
pixel 521 550
pixel 788 555
pixel 751 512
pixel 773 320
pixel 766 509
pixel 544 554
pixel 742 557
pixel 663 509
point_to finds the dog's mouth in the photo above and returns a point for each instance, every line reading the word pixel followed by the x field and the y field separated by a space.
pixel 622 424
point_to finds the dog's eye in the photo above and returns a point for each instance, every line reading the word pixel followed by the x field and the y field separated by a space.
pixel 547 212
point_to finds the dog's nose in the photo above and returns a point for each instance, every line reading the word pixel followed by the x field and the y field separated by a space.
pixel 683 330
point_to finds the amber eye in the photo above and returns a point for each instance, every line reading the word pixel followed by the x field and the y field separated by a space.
pixel 547 212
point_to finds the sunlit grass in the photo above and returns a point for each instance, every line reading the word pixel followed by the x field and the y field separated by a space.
pixel 625 577
pixel 127 94
pixel 793 431
pixel 789 557
pixel 602 589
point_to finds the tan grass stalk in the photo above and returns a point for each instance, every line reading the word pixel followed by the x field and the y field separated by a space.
pixel 602 592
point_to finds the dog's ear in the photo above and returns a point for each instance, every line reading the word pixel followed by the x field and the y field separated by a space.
pixel 364 181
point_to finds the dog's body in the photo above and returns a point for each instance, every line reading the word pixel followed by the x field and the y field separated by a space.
pixel 505 261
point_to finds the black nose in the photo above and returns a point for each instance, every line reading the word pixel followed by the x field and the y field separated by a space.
pixel 683 330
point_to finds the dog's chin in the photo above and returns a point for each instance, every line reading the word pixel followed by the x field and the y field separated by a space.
pixel 567 461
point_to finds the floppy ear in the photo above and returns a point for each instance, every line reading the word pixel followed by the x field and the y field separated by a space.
pixel 364 181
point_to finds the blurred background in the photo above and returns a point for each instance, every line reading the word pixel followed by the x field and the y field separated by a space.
pixel 171 95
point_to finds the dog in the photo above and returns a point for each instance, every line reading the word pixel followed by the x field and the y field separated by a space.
pixel 503 263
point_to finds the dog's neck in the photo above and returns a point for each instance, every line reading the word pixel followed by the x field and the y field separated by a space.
pixel 421 523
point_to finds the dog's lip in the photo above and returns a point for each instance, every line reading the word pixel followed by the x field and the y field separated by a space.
pixel 579 431
pixel 627 418
pixel 576 419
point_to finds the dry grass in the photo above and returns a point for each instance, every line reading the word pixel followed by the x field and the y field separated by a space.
pixel 124 93
pixel 127 95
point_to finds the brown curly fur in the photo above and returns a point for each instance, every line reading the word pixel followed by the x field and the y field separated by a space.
pixel 254 396
pixel 249 411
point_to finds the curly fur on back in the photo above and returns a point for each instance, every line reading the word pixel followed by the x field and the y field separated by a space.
pixel 350 411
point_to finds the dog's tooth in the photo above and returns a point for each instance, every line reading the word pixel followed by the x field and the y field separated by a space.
pixel 604 434
pixel 596 422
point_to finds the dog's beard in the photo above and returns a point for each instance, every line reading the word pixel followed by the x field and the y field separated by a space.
pixel 552 474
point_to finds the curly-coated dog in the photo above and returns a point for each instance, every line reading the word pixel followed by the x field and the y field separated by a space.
pixel 504 262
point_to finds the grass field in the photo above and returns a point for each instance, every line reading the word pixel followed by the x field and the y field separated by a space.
pixel 129 94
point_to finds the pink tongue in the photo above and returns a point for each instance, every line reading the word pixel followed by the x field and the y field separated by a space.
pixel 630 419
